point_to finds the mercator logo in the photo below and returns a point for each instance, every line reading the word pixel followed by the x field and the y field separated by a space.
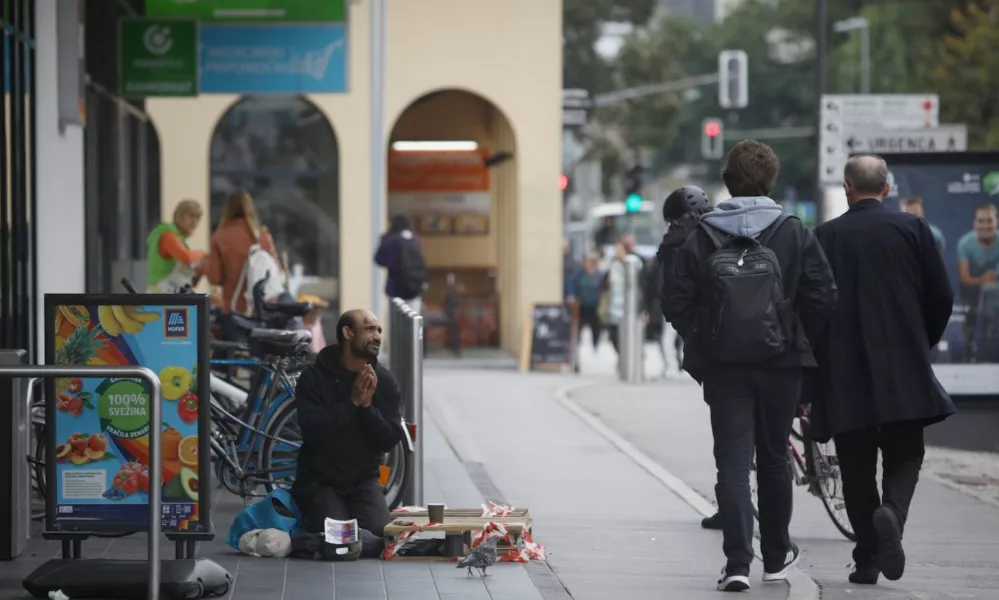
pixel 176 324
pixel 157 39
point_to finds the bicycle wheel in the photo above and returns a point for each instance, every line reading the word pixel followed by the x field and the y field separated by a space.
pixel 829 486
pixel 279 458
pixel 38 468
pixel 399 463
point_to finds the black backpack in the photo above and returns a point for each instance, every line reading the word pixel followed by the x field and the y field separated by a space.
pixel 412 275
pixel 750 317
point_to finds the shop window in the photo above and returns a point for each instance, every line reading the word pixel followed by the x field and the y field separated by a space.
pixel 283 151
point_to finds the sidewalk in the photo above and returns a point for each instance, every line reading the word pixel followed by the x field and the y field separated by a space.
pixel 611 530
pixel 952 541
pixel 445 479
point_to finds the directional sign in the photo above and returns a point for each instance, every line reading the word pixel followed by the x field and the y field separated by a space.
pixel 843 113
pixel 576 106
pixel 946 138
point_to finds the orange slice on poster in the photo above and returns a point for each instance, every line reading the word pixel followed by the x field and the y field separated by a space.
pixel 187 451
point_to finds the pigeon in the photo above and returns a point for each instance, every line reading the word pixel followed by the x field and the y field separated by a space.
pixel 481 557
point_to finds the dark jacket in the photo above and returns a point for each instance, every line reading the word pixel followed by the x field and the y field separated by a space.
pixel 389 255
pixel 895 302
pixel 807 279
pixel 679 230
pixel 341 443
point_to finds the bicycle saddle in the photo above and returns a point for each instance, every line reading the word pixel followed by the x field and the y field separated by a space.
pixel 289 309
pixel 280 342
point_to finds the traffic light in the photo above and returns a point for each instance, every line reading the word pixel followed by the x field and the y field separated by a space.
pixel 712 139
pixel 633 189
pixel 733 79
pixel 563 182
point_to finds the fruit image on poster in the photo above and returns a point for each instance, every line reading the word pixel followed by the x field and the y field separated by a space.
pixel 102 424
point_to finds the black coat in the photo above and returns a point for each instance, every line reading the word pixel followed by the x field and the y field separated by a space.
pixel 894 304
pixel 804 270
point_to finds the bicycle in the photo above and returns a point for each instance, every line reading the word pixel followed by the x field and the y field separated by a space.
pixel 816 465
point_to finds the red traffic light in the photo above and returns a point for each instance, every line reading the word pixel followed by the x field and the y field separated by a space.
pixel 563 182
pixel 712 128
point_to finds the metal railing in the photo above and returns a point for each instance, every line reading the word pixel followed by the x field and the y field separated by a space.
pixel 406 362
pixel 631 330
pixel 155 450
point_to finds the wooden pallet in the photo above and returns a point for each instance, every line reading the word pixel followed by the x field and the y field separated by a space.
pixel 457 528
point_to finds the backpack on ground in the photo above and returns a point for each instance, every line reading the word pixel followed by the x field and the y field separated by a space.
pixel 412 277
pixel 259 266
pixel 750 319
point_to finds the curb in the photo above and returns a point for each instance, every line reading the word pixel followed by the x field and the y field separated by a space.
pixel 801 586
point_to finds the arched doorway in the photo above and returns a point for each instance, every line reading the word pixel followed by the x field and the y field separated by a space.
pixel 283 151
pixel 462 201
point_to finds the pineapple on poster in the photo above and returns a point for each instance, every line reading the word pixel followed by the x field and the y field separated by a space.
pixel 102 425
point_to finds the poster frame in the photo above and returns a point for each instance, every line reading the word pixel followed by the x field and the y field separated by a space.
pixel 948 159
pixel 55 530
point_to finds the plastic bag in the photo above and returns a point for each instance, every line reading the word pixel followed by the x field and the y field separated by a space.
pixel 265 543
pixel 277 510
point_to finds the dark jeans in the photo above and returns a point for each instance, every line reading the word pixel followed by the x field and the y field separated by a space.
pixel 612 331
pixel 902 451
pixel 589 317
pixel 746 406
pixel 364 502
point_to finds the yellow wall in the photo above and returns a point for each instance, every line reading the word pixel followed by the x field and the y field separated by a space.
pixel 508 53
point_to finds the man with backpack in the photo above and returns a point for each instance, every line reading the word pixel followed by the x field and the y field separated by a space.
pixel 748 290
pixel 401 254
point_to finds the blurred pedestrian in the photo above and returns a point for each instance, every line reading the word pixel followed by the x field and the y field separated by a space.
pixel 748 290
pixel 875 386
pixel 587 287
pixel 402 255
pixel 170 263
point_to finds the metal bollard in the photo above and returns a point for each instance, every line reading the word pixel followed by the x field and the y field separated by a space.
pixel 630 339
pixel 415 381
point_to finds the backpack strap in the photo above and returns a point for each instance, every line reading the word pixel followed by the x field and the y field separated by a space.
pixel 713 234
pixel 769 232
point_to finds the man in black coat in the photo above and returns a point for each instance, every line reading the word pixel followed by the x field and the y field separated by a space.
pixel 752 400
pixel 875 386
pixel 349 412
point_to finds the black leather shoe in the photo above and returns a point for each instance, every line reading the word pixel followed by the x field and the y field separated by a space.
pixel 865 575
pixel 712 522
pixel 891 556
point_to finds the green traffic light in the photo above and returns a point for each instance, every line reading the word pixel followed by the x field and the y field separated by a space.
pixel 632 203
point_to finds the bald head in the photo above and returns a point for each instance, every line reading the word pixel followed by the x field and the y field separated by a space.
pixel 866 176
pixel 359 333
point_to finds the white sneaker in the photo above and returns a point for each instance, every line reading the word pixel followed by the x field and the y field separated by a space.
pixel 789 561
pixel 736 581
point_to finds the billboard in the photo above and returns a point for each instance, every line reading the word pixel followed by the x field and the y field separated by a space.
pixel 958 195
pixel 98 428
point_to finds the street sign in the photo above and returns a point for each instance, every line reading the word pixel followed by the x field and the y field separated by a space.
pixel 842 113
pixel 946 138
pixel 301 11
pixel 158 57
pixel 576 106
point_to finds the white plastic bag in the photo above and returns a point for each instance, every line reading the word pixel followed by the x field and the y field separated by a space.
pixel 265 543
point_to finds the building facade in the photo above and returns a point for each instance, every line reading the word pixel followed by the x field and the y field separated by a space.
pixel 484 73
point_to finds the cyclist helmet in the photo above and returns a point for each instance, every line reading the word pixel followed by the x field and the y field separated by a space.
pixel 684 200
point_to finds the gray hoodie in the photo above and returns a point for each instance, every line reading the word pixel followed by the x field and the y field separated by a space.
pixel 744 216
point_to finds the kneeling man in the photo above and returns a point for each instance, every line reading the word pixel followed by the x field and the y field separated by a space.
pixel 349 414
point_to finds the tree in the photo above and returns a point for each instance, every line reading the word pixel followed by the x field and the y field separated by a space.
pixel 967 72
pixel 582 20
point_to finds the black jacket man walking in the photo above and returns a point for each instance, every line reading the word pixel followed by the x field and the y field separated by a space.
pixel 875 386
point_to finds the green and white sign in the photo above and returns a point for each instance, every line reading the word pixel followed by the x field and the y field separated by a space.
pixel 159 57
pixel 249 10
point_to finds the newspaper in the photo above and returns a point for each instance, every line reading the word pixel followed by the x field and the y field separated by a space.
pixel 341 532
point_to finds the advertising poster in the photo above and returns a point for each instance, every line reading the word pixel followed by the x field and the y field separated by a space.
pixel 444 193
pixel 99 478
pixel 958 195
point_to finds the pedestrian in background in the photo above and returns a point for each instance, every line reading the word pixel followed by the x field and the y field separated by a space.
pixel 402 256
pixel 748 291
pixel 875 386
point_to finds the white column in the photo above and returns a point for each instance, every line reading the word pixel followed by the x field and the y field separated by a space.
pixel 60 187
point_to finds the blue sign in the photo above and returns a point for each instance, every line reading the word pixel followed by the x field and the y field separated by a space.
pixel 272 59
